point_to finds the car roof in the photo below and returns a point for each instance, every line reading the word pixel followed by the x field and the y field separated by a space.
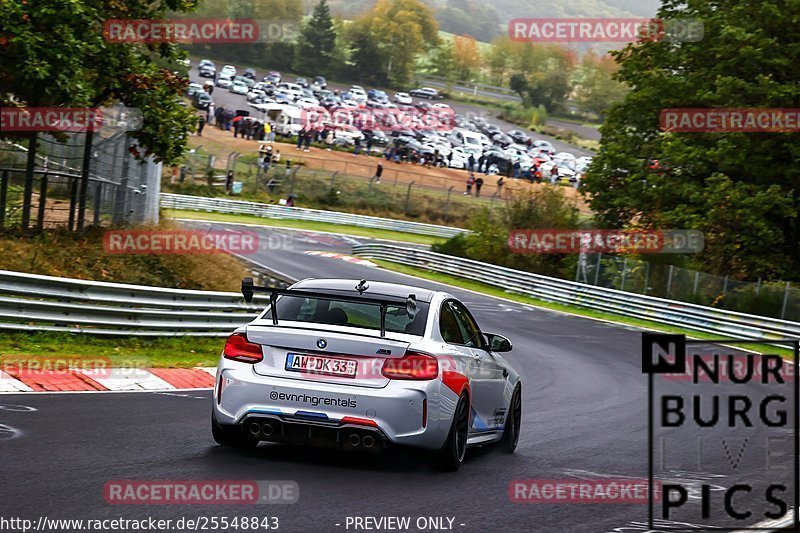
pixel 376 288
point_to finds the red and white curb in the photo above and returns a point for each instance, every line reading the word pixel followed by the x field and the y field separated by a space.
pixel 105 380
pixel 343 257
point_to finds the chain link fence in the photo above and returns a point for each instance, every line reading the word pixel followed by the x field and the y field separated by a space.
pixel 340 186
pixel 777 299
pixel 76 180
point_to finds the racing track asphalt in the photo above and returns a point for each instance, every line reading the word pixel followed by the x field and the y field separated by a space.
pixel 584 416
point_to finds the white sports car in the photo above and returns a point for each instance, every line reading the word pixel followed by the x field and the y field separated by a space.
pixel 359 366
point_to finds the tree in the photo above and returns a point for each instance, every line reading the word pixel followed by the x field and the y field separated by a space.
pixel 744 60
pixel 442 62
pixel 542 208
pixel 466 57
pixel 316 43
pixel 596 88
pixel 55 54
pixel 401 30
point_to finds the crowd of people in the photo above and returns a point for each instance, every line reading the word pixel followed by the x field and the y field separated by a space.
pixel 477 168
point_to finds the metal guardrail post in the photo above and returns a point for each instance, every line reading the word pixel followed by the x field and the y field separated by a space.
pixel 29 173
pixel 4 197
pixel 98 198
pixel 73 201
pixel 447 203
pixel 597 270
pixel 785 299
pixel 408 196
pixel 669 280
pixel 87 164
pixel 42 202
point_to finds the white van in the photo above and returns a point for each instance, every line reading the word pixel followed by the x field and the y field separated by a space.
pixel 289 121
pixel 469 140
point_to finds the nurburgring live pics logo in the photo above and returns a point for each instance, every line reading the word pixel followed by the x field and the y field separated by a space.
pixel 755 403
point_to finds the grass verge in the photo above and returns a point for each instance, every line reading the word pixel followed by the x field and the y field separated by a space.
pixel 491 290
pixel 306 225
pixel 57 350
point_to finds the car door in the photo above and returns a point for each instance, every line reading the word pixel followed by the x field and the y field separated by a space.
pixel 487 374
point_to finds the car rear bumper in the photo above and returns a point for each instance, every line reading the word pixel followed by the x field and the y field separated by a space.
pixel 411 413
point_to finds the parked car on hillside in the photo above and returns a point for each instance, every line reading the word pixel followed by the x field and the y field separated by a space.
pixel 425 92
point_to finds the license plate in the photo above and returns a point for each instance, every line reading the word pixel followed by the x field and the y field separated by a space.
pixel 316 364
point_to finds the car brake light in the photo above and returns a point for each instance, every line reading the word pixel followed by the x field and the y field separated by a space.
pixel 359 421
pixel 238 348
pixel 413 365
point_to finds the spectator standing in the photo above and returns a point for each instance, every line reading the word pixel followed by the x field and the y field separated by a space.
pixel 378 173
pixel 481 161
pixel 210 113
pixel 357 146
pixel 478 185
pixel 201 123
pixel 471 163
pixel 554 175
pixel 301 137
pixel 470 183
pixel 276 159
pixel 517 168
pixel 329 140
pixel 308 139
pixel 369 145
pixel 500 183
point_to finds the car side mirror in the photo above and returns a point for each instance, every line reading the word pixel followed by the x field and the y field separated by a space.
pixel 498 343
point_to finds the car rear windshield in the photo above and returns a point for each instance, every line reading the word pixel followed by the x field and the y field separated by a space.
pixel 358 315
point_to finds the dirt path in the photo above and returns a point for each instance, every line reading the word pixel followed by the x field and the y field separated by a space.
pixel 364 166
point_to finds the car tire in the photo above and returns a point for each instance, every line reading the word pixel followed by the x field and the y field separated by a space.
pixel 510 438
pixel 452 454
pixel 231 436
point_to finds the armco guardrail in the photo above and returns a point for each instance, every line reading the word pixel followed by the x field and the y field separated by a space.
pixel 223 205
pixel 43 303
pixel 686 315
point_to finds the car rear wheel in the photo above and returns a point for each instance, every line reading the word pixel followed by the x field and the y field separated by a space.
pixel 231 436
pixel 452 455
pixel 510 438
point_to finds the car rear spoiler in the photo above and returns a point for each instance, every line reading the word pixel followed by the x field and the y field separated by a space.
pixel 249 289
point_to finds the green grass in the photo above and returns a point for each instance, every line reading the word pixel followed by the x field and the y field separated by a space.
pixel 306 225
pixel 55 350
pixel 491 290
